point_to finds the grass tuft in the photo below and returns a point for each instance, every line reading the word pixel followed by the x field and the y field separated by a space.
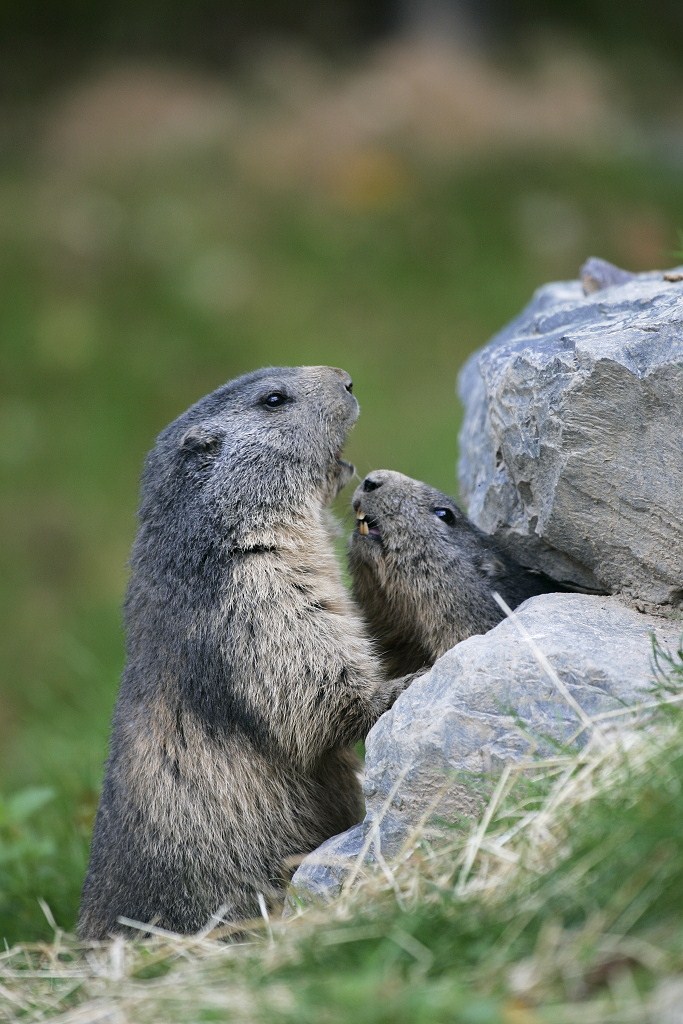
pixel 563 900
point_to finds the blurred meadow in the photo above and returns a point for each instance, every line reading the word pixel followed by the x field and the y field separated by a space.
pixel 168 222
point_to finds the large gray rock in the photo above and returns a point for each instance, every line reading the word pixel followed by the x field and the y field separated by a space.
pixel 572 441
pixel 488 701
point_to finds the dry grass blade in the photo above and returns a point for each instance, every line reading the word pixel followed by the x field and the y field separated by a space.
pixel 373 836
pixel 475 842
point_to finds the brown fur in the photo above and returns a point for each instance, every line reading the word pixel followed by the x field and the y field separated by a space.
pixel 249 675
pixel 425 580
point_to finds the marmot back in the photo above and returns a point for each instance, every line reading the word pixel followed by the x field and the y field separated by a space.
pixel 423 574
pixel 248 673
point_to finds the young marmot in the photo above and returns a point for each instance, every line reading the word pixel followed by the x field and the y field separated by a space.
pixel 423 574
pixel 248 674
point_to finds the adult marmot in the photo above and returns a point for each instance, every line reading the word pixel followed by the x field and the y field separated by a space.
pixel 248 673
pixel 423 574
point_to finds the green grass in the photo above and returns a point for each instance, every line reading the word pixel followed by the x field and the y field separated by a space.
pixel 567 908
pixel 129 292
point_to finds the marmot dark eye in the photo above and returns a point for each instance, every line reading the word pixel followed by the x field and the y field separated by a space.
pixel 274 399
pixel 445 515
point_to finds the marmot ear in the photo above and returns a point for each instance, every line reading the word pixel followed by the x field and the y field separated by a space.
pixel 201 441
pixel 490 565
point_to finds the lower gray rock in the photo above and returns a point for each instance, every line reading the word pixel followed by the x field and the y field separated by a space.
pixel 433 757
pixel 323 873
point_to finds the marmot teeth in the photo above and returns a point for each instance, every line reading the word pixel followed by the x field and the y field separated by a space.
pixel 363 528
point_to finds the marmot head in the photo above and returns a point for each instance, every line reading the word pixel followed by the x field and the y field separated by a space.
pixel 406 525
pixel 258 454
pixel 421 570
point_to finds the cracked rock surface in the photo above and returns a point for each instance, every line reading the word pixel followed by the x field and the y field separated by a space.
pixel 572 441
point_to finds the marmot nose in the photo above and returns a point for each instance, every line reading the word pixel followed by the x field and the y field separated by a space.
pixel 346 378
pixel 371 484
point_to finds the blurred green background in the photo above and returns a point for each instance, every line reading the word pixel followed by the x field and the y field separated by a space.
pixel 182 202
